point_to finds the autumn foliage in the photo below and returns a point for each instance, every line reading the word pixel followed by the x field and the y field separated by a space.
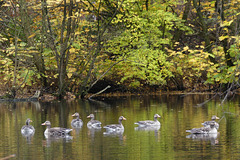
pixel 135 45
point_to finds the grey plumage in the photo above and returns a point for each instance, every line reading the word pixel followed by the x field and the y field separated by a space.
pixel 55 131
pixel 76 123
pixel 149 122
pixel 93 123
pixel 27 129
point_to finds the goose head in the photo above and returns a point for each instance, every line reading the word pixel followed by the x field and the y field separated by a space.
pixel 156 116
pixel 75 114
pixel 214 117
pixel 121 118
pixel 28 121
pixel 47 123
pixel 91 116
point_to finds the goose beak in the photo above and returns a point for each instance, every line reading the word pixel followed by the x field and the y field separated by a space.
pixel 30 120
pixel 73 115
pixel 89 116
pixel 124 118
pixel 217 118
pixel 44 124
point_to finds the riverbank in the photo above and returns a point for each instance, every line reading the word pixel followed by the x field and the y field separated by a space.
pixel 102 91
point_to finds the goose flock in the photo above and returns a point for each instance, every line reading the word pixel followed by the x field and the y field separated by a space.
pixel 210 127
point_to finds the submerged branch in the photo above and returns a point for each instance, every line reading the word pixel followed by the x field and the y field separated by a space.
pixel 201 104
pixel 228 92
pixel 99 92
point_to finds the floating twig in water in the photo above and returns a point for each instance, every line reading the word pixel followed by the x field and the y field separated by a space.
pixel 8 157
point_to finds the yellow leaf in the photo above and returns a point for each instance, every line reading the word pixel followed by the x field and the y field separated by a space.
pixel 186 48
pixel 72 69
pixel 69 75
pixel 226 23
pixel 223 37
pixel 72 50
pixel 32 35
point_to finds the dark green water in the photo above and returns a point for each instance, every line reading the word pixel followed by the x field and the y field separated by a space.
pixel 169 142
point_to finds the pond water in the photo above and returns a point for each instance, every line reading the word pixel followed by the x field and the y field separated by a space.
pixel 178 113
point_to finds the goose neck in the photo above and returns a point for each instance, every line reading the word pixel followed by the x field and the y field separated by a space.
pixel 120 121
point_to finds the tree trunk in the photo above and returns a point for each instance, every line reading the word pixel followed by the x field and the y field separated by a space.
pixel 226 41
pixel 37 56
pixel 65 43
pixel 178 32
pixel 208 45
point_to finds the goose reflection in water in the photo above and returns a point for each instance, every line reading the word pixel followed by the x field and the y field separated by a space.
pixel 57 139
pixel 113 133
pixel 155 129
pixel 28 138
pixel 148 128
pixel 205 137
pixel 118 134
pixel 76 131
pixel 92 131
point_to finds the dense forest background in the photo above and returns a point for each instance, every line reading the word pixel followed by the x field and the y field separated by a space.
pixel 82 46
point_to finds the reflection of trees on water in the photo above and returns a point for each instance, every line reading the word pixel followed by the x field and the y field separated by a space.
pixel 99 103
pixel 205 137
pixel 37 105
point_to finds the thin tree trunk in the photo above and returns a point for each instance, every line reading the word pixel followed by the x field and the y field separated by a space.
pixel 37 56
pixel 225 42
pixel 101 30
pixel 64 48
pixel 179 32
pixel 208 46
pixel 13 88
